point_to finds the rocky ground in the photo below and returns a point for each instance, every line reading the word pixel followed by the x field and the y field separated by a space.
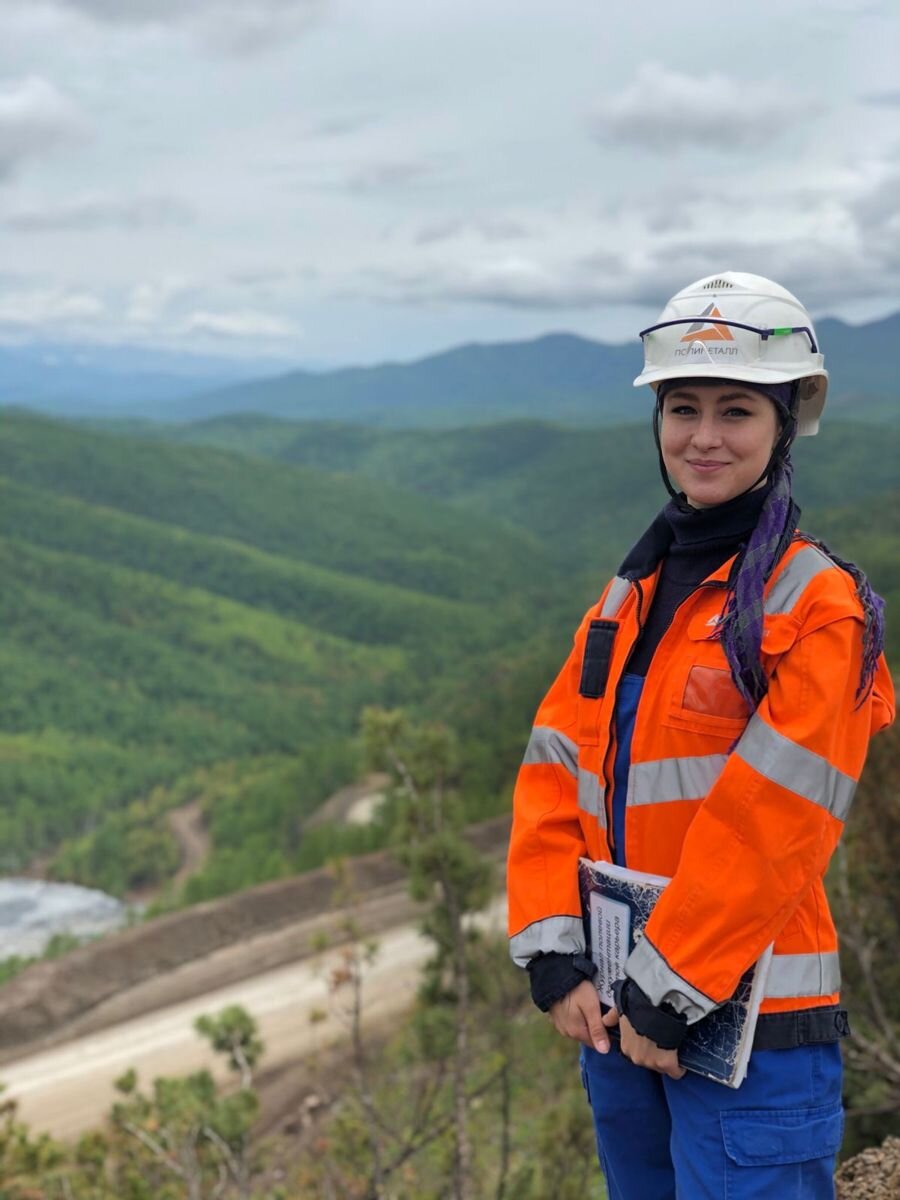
pixel 872 1175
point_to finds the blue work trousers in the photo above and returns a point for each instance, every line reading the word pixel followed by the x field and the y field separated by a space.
pixel 773 1138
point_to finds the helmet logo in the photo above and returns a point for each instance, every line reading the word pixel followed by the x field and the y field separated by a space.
pixel 708 331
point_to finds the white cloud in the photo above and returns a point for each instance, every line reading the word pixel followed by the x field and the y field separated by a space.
pixel 834 241
pixel 389 173
pixel 340 126
pixel 150 300
pixel 889 97
pixel 852 8
pixel 35 117
pixel 100 213
pixel 245 324
pixel 509 282
pixel 51 306
pixel 239 27
pixel 491 228
pixel 666 110
pixel 877 202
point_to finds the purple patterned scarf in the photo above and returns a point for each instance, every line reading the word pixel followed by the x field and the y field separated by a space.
pixel 742 625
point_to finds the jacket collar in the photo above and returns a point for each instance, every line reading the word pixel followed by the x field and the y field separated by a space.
pixel 649 550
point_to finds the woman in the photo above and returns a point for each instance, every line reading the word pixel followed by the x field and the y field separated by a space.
pixel 709 725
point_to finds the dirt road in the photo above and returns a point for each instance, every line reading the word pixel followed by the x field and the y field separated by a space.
pixel 69 1089
pixel 193 838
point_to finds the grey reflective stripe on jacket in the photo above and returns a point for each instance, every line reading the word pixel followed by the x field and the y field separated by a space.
pixel 763 748
pixel 790 583
pixel 560 935
pixel 592 795
pixel 803 975
pixel 663 779
pixel 789 976
pixel 794 767
pixel 656 979
pixel 615 597
pixel 547 745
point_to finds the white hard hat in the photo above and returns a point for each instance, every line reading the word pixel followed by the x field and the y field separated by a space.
pixel 738 326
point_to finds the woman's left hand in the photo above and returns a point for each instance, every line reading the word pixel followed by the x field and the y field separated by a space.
pixel 641 1051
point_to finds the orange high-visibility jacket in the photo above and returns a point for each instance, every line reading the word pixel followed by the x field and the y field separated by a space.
pixel 742 809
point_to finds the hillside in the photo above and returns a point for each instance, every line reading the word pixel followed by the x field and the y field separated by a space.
pixel 588 494
pixel 585 494
pixel 183 624
pixel 344 524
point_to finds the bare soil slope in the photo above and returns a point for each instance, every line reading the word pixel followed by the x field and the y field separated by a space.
pixel 189 953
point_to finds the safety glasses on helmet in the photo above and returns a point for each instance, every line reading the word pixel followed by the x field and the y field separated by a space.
pixel 658 351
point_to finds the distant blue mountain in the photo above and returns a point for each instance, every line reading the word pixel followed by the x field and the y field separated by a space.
pixel 80 380
pixel 558 377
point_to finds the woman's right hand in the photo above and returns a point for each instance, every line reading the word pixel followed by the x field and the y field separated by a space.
pixel 578 1016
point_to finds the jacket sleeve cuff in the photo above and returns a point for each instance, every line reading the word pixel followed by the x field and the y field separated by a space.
pixel 553 976
pixel 660 1023
pixel 647 967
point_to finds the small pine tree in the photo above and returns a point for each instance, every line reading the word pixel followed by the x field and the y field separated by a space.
pixel 446 873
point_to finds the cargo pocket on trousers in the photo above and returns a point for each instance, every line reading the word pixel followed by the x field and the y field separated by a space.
pixel 788 1153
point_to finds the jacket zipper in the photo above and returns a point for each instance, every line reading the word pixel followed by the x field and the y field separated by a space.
pixel 612 748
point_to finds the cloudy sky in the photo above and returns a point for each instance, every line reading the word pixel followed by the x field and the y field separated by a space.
pixel 336 181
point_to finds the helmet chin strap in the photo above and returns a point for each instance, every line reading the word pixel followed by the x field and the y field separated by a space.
pixel 678 497
pixel 780 451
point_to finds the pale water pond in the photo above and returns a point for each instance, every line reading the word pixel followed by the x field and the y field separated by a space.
pixel 32 911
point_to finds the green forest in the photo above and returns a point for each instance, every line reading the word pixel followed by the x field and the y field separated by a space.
pixel 199 613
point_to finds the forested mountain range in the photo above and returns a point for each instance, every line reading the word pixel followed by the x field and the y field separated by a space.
pixel 560 377
pixel 192 621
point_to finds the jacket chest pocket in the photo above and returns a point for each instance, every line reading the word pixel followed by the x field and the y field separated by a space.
pixel 707 700
pixel 703 696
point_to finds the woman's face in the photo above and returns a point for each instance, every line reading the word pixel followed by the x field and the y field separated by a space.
pixel 716 439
